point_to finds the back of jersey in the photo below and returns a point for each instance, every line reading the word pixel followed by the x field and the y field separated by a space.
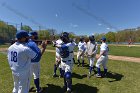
pixel 19 57
pixel 91 47
pixel 104 47
pixel 82 46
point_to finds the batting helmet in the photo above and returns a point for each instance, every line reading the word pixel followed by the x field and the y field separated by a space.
pixel 65 37
pixel 81 39
pixel 91 38
pixel 21 33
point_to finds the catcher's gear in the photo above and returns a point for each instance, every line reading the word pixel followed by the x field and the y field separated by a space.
pixel 65 37
pixel 64 51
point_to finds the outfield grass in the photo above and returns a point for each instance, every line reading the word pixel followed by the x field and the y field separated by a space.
pixel 123 77
pixel 114 50
pixel 124 51
pixel 4 46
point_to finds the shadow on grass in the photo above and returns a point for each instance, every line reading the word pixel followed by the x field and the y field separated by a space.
pixel 78 76
pixel 115 76
pixel 52 89
pixel 78 88
pixel 83 88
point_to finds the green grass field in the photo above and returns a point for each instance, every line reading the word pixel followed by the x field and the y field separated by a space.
pixel 124 51
pixel 114 50
pixel 123 77
pixel 4 46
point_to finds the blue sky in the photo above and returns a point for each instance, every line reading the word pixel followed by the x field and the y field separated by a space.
pixel 83 17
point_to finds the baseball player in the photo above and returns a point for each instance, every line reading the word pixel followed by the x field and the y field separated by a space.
pixel 19 58
pixel 102 58
pixel 66 60
pixel 91 51
pixel 72 52
pixel 35 64
pixel 58 59
pixel 81 51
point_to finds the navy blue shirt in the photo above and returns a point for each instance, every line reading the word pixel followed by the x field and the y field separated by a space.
pixel 35 48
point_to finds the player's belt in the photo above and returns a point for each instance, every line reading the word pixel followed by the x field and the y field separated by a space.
pixel 65 61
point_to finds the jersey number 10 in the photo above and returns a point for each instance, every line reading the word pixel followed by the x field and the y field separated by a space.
pixel 13 56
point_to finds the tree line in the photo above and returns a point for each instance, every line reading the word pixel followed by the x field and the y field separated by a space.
pixel 7 33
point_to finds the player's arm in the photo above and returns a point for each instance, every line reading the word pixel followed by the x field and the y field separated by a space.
pixel 95 50
pixel 101 53
pixel 32 54
pixel 43 45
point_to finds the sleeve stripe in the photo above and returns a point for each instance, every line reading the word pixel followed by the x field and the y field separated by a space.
pixel 35 57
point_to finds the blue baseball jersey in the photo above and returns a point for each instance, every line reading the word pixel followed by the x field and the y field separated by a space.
pixel 36 49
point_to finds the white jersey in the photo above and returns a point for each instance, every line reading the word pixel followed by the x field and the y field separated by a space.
pixel 73 44
pixel 104 47
pixel 91 49
pixel 82 46
pixel 58 42
pixel 19 57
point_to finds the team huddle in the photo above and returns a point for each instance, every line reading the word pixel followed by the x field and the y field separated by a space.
pixel 24 59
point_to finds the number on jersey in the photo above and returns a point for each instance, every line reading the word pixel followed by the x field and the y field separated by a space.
pixel 13 56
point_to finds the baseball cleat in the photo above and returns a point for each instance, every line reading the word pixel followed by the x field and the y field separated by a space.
pixel 89 75
pixel 68 90
pixel 98 76
pixel 54 75
pixel 39 91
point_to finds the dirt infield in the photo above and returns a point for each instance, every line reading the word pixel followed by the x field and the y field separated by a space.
pixel 112 57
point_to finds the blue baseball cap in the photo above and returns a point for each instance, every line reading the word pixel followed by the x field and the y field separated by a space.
pixel 33 33
pixel 21 34
pixel 103 38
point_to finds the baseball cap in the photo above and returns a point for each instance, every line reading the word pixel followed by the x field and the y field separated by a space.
pixel 21 34
pixel 103 38
pixel 33 33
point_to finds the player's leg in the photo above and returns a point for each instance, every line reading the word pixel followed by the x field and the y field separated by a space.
pixel 68 77
pixel 91 63
pixel 24 82
pixel 73 60
pixel 99 62
pixel 83 62
pixel 105 65
pixel 36 74
pixel 78 58
pixel 16 83
pixel 68 80
pixel 62 71
pixel 63 67
pixel 56 66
